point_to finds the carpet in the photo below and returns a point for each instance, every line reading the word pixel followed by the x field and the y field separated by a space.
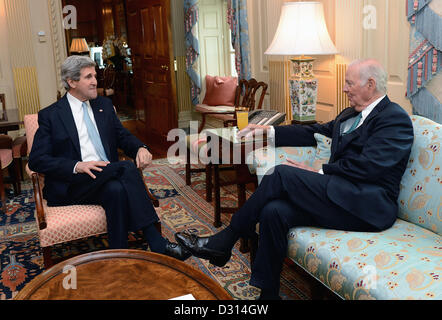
pixel 182 207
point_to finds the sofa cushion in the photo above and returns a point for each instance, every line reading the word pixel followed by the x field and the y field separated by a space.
pixel 220 91
pixel 67 223
pixel 420 198
pixel 402 262
pixel 260 161
pixel 322 152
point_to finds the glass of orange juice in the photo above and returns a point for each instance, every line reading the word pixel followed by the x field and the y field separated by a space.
pixel 242 119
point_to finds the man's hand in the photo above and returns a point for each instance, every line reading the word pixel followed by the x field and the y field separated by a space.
pixel 299 165
pixel 251 130
pixel 144 158
pixel 88 166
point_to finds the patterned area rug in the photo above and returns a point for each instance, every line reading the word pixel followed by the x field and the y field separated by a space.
pixel 181 207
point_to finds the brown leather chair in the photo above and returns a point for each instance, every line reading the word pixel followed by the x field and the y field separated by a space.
pixel 63 223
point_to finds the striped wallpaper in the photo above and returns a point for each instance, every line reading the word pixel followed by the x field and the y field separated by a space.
pixel 22 56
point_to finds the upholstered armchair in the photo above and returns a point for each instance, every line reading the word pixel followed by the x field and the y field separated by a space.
pixel 224 96
pixel 6 161
pixel 63 223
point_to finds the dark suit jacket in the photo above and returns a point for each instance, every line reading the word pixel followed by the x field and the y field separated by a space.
pixel 366 166
pixel 56 146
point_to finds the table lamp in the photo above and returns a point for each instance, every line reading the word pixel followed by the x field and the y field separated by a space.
pixel 79 46
pixel 302 31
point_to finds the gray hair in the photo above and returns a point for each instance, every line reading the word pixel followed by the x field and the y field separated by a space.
pixel 370 68
pixel 71 68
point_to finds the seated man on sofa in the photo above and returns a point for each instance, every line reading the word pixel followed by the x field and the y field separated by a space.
pixel 371 143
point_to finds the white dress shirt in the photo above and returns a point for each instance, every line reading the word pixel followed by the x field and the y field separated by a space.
pixel 88 152
pixel 346 125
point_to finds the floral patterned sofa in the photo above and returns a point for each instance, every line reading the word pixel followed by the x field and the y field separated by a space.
pixel 403 262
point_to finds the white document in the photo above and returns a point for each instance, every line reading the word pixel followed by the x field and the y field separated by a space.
pixel 185 297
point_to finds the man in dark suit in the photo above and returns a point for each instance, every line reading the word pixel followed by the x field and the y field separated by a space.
pixel 76 148
pixel 356 191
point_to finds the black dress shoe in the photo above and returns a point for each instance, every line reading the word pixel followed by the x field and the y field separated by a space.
pixel 176 251
pixel 197 246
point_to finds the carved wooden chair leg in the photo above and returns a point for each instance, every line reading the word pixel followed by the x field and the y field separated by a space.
pixel 47 257
pixel 209 186
pixel 2 192
pixel 217 211
pixel 203 123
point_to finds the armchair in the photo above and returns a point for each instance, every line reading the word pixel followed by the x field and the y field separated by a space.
pixel 109 75
pixel 245 94
pixel 63 223
pixel 5 162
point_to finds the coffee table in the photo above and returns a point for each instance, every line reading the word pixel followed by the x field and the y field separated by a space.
pixel 122 275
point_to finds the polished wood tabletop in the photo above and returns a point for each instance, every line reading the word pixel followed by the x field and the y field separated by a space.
pixel 122 275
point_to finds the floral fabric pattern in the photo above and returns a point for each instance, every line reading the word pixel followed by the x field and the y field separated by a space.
pixel 323 152
pixel 403 262
pixel 420 198
pixel 261 161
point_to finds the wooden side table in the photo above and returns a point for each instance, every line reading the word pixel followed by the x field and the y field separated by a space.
pixel 236 149
pixel 122 275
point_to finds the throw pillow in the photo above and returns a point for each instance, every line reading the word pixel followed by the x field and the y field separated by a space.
pixel 322 154
pixel 220 91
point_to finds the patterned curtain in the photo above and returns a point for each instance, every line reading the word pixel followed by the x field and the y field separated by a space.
pixel 425 60
pixel 192 46
pixel 237 19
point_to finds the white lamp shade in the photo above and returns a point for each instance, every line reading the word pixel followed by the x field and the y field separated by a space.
pixel 302 31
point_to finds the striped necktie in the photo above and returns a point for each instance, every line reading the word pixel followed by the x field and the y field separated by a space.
pixel 355 124
pixel 93 134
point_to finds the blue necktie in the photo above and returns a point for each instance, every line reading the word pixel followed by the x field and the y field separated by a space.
pixel 355 124
pixel 93 134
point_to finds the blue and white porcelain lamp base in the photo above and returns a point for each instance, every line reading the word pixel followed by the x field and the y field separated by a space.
pixel 303 89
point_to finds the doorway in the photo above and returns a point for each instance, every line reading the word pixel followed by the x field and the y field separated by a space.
pixel 103 24
pixel 217 56
pixel 134 38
